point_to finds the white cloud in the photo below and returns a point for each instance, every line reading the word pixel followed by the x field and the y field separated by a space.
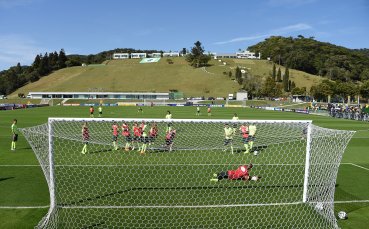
pixel 17 48
pixel 274 32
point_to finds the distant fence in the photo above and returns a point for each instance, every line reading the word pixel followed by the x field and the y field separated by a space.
pixel 302 111
pixel 14 106
pixel 127 104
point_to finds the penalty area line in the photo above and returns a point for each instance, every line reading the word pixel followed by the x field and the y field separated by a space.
pixel 350 201
pixel 361 167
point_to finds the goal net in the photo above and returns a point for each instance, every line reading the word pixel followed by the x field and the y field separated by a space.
pixel 187 174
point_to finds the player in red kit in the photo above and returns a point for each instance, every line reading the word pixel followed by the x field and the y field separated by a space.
pixel 92 110
pixel 153 133
pixel 136 136
pixel 169 138
pixel 241 173
pixel 115 130
pixel 244 130
pixel 127 135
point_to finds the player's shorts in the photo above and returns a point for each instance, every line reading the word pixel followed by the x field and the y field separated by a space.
pixel 92 113
pixel 100 112
pixel 251 138
pixel 227 141
pixel 85 141
pixel 222 175
pixel 168 141
pixel 115 138
pixel 152 138
pixel 128 138
pixel 15 137
pixel 145 140
pixel 136 138
pixel 245 140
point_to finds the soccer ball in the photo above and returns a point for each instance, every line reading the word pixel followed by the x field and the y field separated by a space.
pixel 342 215
pixel 256 152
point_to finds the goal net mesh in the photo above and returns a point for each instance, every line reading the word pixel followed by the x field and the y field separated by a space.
pixel 164 180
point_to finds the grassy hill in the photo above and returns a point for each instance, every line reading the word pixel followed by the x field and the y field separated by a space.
pixel 130 75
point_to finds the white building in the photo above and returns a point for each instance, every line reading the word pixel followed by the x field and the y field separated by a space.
pixel 97 95
pixel 138 55
pixel 247 55
pixel 225 55
pixel 240 96
pixel 170 54
pixel 154 55
pixel 121 56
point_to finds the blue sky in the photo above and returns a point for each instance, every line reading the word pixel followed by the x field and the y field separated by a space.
pixel 29 27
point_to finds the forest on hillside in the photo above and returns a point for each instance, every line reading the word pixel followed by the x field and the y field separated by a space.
pixel 319 58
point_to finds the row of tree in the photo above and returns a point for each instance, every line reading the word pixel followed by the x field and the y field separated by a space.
pixel 17 76
pixel 319 58
pixel 339 89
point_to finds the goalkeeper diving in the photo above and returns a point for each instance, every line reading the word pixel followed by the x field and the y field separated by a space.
pixel 241 173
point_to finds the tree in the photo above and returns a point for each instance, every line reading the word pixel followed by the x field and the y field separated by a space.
pixel 184 51
pixel 274 72
pixel 293 85
pixel 44 67
pixel 364 89
pixel 62 59
pixel 53 60
pixel 346 89
pixel 298 91
pixel 279 75
pixel 285 80
pixel 322 90
pixel 271 89
pixel 364 74
pixel 36 63
pixel 196 57
pixel 238 75
pixel 253 85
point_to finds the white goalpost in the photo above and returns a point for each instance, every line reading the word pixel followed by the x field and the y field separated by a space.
pixel 179 173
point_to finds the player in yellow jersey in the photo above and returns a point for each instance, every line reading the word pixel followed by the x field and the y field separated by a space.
pixel 228 136
pixel 14 129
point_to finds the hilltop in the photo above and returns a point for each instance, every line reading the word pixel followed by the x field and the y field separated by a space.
pixel 315 57
pixel 128 75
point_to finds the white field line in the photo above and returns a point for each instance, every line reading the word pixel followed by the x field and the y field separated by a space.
pixel 361 167
pixel 350 201
pixel 178 206
pixel 23 207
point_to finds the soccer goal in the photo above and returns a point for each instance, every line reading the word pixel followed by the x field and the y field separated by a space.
pixel 99 176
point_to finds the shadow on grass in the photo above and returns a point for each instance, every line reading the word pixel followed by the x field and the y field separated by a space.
pixel 6 178
pixel 176 188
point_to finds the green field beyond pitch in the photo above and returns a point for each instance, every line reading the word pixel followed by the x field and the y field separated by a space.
pixel 23 184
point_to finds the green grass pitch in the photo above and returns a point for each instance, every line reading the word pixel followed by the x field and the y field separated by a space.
pixel 22 182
